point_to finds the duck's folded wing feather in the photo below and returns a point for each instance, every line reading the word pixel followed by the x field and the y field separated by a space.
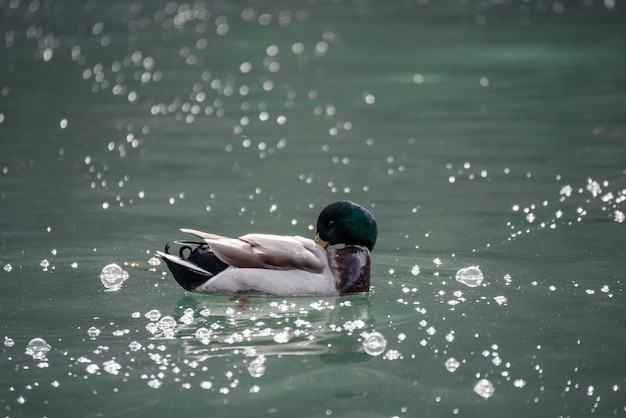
pixel 270 252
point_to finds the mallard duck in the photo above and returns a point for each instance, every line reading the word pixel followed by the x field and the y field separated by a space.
pixel 263 264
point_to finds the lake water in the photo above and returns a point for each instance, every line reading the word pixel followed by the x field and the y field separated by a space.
pixel 479 133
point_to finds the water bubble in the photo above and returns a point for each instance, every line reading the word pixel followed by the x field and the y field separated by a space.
pixel 374 343
pixel 166 323
pixel 37 348
pixel 452 364
pixel 519 383
pixel 204 335
pixel 8 268
pixel 134 346
pixel 393 355
pixel 415 270
pixel 154 261
pixel 153 315
pixel 206 384
pixel 112 367
pixel 281 337
pixel 113 276
pixel 500 300
pixel 484 388
pixel 256 368
pixel 93 332
pixel 154 383
pixel 350 326
pixel 470 276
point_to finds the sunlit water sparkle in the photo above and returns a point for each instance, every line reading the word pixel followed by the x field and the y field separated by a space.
pixel 449 121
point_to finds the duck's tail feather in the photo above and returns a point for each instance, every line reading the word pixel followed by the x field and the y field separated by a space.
pixel 195 269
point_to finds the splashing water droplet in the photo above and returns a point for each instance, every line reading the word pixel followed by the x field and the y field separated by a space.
pixel 500 300
pixel 93 332
pixel 37 348
pixel 393 355
pixel 484 388
pixel 204 335
pixel 256 368
pixel 112 367
pixel 113 276
pixel 452 364
pixel 374 343
pixel 415 270
pixel 166 323
pixel 470 276
pixel 282 337
pixel 519 383
pixel 153 315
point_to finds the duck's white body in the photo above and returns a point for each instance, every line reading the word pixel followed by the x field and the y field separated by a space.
pixel 273 265
pixel 235 280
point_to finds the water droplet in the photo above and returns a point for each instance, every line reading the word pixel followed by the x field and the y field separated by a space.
pixel 452 364
pixel 167 322
pixel 113 276
pixel 204 335
pixel 153 315
pixel 112 367
pixel 484 388
pixel 37 348
pixel 281 337
pixel 374 343
pixel 154 261
pixel 393 355
pixel 8 342
pixel 470 276
pixel 500 300
pixel 154 383
pixel 256 368
pixel 8 267
pixel 206 384
pixel 93 332
pixel 415 270
pixel 519 383
pixel 134 346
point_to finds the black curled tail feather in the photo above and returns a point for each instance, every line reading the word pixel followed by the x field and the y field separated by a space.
pixel 196 268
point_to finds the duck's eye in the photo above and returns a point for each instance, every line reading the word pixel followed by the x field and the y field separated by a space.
pixel 330 223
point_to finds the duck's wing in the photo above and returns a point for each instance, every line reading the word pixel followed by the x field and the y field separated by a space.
pixel 270 252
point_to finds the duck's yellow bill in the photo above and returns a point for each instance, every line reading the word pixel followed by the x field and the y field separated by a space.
pixel 321 242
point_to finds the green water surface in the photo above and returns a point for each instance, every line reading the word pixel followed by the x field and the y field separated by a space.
pixel 479 133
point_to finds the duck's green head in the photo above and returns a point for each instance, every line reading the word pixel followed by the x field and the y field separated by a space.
pixel 345 222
